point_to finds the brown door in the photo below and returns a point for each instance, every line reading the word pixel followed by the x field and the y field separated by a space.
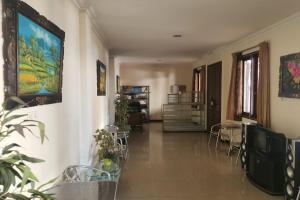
pixel 214 85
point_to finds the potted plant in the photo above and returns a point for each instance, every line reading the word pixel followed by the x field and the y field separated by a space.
pixel 108 153
pixel 105 144
pixel 121 104
pixel 17 181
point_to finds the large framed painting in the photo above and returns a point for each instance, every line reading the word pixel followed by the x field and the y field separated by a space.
pixel 101 78
pixel 289 81
pixel 33 51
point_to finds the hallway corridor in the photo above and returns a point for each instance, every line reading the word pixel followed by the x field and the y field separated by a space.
pixel 180 166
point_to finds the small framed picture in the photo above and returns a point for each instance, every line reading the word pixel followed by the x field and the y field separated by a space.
pixel 101 78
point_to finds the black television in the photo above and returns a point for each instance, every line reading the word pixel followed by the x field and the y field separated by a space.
pixel 265 158
pixel 265 140
pixel 260 140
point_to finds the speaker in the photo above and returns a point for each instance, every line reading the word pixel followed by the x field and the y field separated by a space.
pixel 292 167
pixel 244 156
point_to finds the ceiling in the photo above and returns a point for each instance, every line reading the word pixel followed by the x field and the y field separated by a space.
pixel 143 29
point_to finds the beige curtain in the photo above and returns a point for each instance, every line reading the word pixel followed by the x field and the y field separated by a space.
pixel 234 101
pixel 263 88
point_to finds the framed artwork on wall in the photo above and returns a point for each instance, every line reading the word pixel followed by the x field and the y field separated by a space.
pixel 118 84
pixel 101 78
pixel 289 80
pixel 33 51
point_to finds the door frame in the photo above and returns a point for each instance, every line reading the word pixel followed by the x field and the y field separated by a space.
pixel 207 91
pixel 200 71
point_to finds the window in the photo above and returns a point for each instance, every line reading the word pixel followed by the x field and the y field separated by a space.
pixel 249 74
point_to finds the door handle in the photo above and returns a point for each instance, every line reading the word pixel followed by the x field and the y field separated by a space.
pixel 212 103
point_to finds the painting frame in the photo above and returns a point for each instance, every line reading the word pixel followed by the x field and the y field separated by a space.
pixel 12 10
pixel 118 86
pixel 289 76
pixel 101 78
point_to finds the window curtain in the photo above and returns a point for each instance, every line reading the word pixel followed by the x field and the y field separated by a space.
pixel 234 103
pixel 263 88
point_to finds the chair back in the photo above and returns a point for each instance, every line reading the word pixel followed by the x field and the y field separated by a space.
pixel 113 130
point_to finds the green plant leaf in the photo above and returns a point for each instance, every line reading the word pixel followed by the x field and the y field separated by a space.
pixel 8 147
pixel 48 183
pixel 42 131
pixel 10 118
pixel 12 162
pixel 19 128
pixel 27 174
pixel 28 159
pixel 13 110
pixel 12 177
pixel 41 127
pixel 10 159
pixel 28 182
pixel 5 179
pixel 16 173
pixel 44 196
pixel 17 196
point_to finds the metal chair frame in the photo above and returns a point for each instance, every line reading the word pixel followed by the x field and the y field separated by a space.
pixel 119 136
pixel 72 173
pixel 215 132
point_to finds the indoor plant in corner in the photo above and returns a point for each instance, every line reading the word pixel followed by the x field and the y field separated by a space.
pixel 121 105
pixel 105 144
pixel 17 181
pixel 108 152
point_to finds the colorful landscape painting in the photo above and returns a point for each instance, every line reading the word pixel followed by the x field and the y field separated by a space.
pixel 101 79
pixel 39 59
pixel 290 76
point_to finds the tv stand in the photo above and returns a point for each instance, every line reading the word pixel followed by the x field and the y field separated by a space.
pixel 266 172
pixel 265 161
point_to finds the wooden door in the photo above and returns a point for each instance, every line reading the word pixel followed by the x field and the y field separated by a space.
pixel 214 86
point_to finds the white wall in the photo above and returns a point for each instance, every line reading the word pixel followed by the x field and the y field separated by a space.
pixel 70 124
pixel 284 39
pixel 159 77
pixel 94 108
pixel 114 71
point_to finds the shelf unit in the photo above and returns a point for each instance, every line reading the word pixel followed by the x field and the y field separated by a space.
pixel 139 94
pixel 185 112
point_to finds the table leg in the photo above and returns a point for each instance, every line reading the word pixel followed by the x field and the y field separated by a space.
pixel 230 143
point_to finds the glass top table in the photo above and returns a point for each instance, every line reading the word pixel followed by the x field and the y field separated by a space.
pixel 103 190
pixel 114 170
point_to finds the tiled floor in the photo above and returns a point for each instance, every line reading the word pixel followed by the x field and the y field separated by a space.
pixel 180 166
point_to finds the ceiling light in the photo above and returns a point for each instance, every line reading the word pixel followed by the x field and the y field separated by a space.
pixel 177 36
